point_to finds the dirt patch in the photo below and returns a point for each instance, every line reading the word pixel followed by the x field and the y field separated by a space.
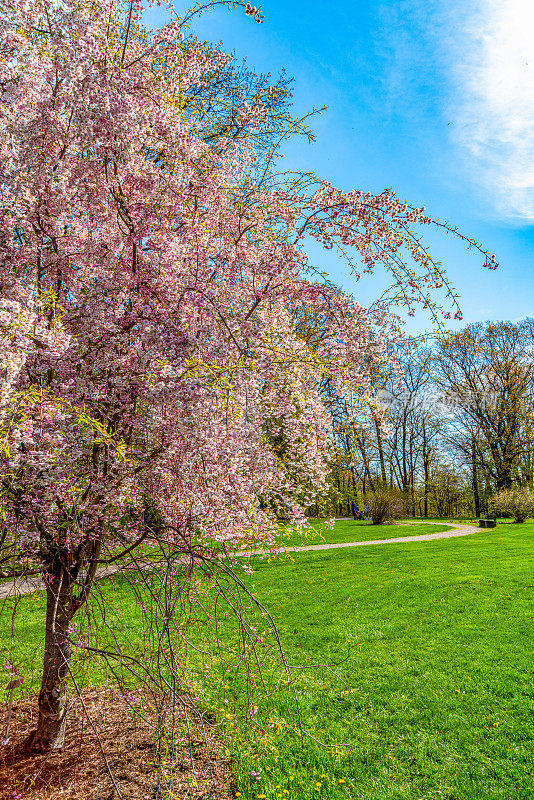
pixel 111 752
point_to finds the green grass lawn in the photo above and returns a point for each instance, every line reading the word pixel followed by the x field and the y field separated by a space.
pixel 435 698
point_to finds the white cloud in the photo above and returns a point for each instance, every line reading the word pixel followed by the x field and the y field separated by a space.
pixel 493 106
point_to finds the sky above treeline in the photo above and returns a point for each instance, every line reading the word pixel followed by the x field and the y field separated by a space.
pixel 433 98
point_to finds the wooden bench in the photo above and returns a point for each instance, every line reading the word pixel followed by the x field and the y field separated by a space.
pixel 487 523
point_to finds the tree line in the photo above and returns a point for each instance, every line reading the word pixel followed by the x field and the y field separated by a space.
pixel 450 427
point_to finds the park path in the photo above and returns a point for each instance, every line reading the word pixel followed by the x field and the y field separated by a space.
pixel 459 530
pixel 35 584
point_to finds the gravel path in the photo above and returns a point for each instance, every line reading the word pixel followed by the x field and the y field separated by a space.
pixel 29 585
pixel 459 530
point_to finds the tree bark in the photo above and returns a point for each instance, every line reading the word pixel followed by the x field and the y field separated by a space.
pixel 426 467
pixel 50 731
pixel 476 494
pixel 404 478
pixel 380 449
pixel 504 479
pixel 366 463
pixel 412 473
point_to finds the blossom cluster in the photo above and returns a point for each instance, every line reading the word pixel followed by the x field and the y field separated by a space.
pixel 160 342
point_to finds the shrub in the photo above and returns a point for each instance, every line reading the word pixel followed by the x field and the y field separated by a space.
pixel 386 503
pixel 517 502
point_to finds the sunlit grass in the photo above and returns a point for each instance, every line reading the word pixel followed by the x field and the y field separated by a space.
pixel 433 699
pixel 436 699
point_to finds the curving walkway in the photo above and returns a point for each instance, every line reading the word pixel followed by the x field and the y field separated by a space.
pixel 458 530
pixel 29 585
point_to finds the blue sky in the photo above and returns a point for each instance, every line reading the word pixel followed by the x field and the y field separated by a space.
pixel 434 98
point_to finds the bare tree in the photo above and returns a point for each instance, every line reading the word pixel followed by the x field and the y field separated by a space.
pixel 486 372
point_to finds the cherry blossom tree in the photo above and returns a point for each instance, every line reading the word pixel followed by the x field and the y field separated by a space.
pixel 152 279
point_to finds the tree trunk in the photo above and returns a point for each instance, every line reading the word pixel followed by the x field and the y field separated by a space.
pixel 476 495
pixel 503 468
pixel 366 463
pixel 380 449
pixel 50 731
pixel 405 482
pixel 412 473
pixel 426 467
pixel 504 479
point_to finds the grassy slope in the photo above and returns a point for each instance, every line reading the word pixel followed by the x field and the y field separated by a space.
pixel 436 699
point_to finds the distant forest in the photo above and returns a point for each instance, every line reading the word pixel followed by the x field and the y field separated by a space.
pixel 452 426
